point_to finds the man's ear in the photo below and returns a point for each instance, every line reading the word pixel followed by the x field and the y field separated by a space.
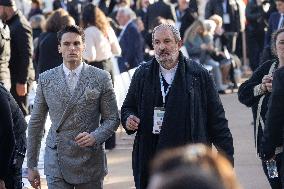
pixel 180 44
pixel 59 49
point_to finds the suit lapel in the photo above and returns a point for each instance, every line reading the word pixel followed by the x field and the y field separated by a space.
pixel 78 92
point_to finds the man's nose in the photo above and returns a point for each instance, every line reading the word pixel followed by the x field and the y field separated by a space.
pixel 72 47
pixel 162 46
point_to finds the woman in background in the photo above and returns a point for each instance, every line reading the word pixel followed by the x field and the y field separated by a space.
pixel 100 39
pixel 46 53
pixel 255 93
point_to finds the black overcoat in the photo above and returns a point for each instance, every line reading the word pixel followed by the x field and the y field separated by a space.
pixel 194 114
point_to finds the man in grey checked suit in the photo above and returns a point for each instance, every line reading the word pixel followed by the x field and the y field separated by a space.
pixel 76 96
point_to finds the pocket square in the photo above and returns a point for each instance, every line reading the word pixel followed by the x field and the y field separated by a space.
pixel 91 93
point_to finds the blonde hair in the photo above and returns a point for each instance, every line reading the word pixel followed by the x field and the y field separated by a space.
pixel 217 19
pixel 53 22
pixel 191 32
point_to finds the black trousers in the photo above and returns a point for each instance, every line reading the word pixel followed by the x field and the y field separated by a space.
pixel 14 179
pixel 22 101
pixel 275 183
pixel 107 66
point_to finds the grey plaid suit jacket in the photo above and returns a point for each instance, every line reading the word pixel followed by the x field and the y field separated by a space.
pixel 93 99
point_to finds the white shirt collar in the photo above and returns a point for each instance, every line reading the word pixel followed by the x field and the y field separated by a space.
pixel 280 20
pixel 123 29
pixel 78 70
pixel 168 74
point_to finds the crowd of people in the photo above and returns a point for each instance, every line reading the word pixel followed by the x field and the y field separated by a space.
pixel 180 62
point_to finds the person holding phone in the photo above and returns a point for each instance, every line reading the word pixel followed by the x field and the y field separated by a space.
pixel 256 92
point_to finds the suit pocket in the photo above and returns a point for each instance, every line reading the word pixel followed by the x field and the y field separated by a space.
pixel 92 94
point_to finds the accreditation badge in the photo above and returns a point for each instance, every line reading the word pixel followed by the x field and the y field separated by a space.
pixel 226 18
pixel 158 117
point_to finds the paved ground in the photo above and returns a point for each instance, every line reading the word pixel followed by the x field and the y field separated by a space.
pixel 247 165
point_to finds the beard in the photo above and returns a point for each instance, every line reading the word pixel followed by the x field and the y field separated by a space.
pixel 167 59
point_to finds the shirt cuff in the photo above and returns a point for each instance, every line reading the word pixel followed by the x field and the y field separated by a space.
pixel 257 91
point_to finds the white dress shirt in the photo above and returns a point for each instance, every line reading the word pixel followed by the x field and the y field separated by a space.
pixel 168 74
pixel 72 76
pixel 98 46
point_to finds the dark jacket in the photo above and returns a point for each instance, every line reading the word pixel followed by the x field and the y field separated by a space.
pixel 186 19
pixel 5 52
pixel 216 7
pixel 72 7
pixel 21 65
pixel 159 8
pixel 272 27
pixel 131 43
pixel 12 133
pixel 273 132
pixel 194 114
pixel 247 97
pixel 46 53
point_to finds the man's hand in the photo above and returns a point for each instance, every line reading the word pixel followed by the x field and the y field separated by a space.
pixel 132 123
pixel 21 89
pixel 2 184
pixel 85 139
pixel 34 178
pixel 267 83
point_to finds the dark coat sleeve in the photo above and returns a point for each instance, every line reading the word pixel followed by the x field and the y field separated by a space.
pixel 134 47
pixel 271 28
pixel 130 104
pixel 246 90
pixel 25 45
pixel 7 138
pixel 253 12
pixel 219 132
pixel 209 9
pixel 273 131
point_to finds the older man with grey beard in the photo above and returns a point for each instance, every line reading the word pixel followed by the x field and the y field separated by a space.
pixel 172 101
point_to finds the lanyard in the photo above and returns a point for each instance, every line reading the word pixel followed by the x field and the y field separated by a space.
pixel 164 94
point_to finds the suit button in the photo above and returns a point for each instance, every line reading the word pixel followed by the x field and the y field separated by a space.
pixel 57 131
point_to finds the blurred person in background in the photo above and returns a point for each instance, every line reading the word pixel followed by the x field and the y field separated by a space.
pixel 46 54
pixel 35 9
pixel 73 7
pixel 275 22
pixel 101 41
pixel 255 31
pixel 199 49
pixel 141 10
pixel 255 93
pixel 192 158
pixel 132 48
pixel 37 23
pixel 185 15
pixel 20 64
pixel 162 8
pixel 272 140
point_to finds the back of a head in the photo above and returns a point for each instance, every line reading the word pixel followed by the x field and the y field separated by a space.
pixel 184 178
pixel 37 20
pixel 127 11
pixel 198 156
pixel 53 22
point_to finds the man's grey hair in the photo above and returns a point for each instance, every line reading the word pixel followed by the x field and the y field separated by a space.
pixel 174 30
pixel 127 11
